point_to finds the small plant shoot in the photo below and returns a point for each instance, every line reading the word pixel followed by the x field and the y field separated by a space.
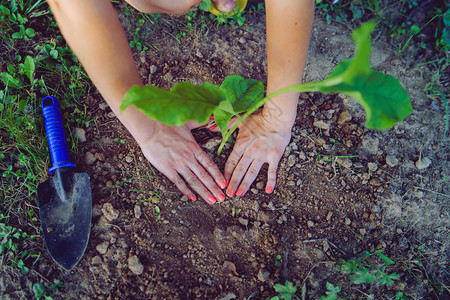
pixel 385 101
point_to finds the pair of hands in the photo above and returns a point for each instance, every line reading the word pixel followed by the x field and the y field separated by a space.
pixel 175 153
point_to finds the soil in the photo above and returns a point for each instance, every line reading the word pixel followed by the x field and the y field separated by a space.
pixel 342 189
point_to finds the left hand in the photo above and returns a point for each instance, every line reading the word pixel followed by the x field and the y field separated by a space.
pixel 262 139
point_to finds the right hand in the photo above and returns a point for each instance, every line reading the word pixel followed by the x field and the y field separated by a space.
pixel 175 153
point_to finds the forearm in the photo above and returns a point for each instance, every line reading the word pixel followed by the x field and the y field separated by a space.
pixel 288 25
pixel 93 31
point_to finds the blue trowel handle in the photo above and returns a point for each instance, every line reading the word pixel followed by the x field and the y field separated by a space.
pixel 54 128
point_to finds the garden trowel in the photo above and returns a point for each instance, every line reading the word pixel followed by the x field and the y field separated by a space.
pixel 65 200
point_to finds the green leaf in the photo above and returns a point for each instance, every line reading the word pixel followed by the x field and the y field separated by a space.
pixel 9 80
pixel 389 279
pixel 386 259
pixel 175 107
pixel 363 276
pixel 29 68
pixel 30 32
pixel 38 290
pixel 205 5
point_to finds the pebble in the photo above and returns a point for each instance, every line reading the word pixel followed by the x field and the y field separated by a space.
pixel 100 156
pixel 254 191
pixel 109 212
pixel 371 145
pixel 153 69
pixel 391 161
pixel 184 198
pixel 103 247
pixel 362 231
pixel 330 214
pixel 128 159
pixel 135 265
pixel 302 155
pixel 372 166
pixel 137 211
pixel 80 133
pixel 111 115
pixel 103 106
pixel 344 117
pixel 89 158
pixel 321 124
pixel 310 224
pixel 291 160
pixel 423 163
pixel 263 275
pixel 347 221
pixel 260 185
pixel 243 221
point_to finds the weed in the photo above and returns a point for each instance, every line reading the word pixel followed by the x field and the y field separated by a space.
pixel 39 289
pixel 278 260
pixel 332 292
pixel 286 291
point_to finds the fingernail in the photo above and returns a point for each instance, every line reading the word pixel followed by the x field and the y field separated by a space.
pixel 212 127
pixel 221 197
pixel 211 117
pixel 269 190
pixel 240 192
pixel 192 197
pixel 227 182
pixel 211 199
pixel 222 184
pixel 230 192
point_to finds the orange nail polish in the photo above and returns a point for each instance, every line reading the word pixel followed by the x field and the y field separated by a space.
pixel 221 197
pixel 192 197
pixel 240 192
pixel 269 190
pixel 211 199
pixel 230 192
pixel 222 184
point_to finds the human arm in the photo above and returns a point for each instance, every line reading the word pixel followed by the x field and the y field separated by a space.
pixel 93 31
pixel 264 136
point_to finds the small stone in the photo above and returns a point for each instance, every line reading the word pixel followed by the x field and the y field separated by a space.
pixel 371 145
pixel 329 215
pixel 362 231
pixel 254 191
pixel 96 260
pixel 243 221
pixel 344 117
pixel 109 212
pixel 345 162
pixel 260 185
pixel 153 69
pixel 291 160
pixel 111 115
pixel 89 158
pixel 184 198
pixel 137 211
pixel 103 106
pixel 302 155
pixel 135 265
pixel 372 166
pixel 347 221
pixel 310 224
pixel 325 246
pixel 100 156
pixel 103 247
pixel 80 134
pixel 391 161
pixel 423 163
pixel 263 275
pixel 321 124
pixel 128 159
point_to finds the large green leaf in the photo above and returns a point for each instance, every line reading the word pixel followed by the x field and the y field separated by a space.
pixel 175 107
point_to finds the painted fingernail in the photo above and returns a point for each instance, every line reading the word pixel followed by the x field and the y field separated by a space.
pixel 222 184
pixel 230 192
pixel 192 197
pixel 269 190
pixel 240 192
pixel 211 117
pixel 211 199
pixel 227 182
pixel 212 127
pixel 221 197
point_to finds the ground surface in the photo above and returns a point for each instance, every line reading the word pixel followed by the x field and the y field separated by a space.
pixel 341 189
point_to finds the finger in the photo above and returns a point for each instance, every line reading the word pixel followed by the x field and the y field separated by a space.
pixel 197 185
pixel 212 170
pixel 238 173
pixel 271 177
pixel 250 176
pixel 181 185
pixel 207 181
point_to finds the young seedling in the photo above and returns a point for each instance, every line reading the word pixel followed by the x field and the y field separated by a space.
pixel 383 98
pixel 286 291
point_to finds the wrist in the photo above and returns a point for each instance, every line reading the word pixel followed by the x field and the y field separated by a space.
pixel 282 109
